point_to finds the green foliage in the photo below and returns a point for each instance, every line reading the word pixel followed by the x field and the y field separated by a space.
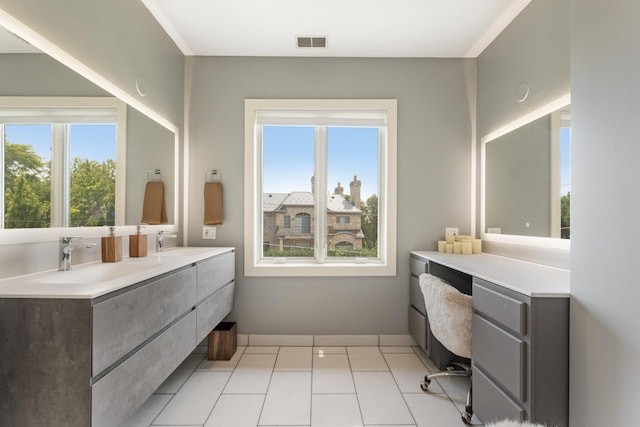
pixel 93 193
pixel 370 224
pixel 28 190
pixel 565 216
pixel 23 207
pixel 289 253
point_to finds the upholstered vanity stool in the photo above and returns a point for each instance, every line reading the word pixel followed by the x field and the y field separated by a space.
pixel 449 312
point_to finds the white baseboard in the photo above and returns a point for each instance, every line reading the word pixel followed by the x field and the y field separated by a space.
pixel 327 340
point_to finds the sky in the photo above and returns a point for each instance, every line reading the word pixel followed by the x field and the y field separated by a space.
pixel 288 158
pixel 89 141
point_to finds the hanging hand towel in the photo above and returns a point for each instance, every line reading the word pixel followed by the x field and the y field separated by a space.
pixel 212 203
pixel 153 206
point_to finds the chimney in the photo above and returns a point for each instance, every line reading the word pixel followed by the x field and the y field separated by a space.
pixel 313 186
pixel 339 190
pixel 354 188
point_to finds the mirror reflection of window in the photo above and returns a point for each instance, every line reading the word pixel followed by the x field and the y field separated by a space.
pixel 60 174
pixel 27 175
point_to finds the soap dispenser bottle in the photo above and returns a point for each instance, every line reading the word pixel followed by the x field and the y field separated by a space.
pixel 112 247
pixel 138 244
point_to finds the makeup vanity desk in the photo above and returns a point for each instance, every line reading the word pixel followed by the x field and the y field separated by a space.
pixel 520 344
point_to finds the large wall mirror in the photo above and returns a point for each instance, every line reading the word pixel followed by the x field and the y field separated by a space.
pixel 526 178
pixel 73 155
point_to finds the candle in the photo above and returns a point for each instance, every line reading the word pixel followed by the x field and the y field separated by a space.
pixel 457 247
pixel 466 247
pixel 450 238
pixel 449 248
pixel 476 246
pixel 442 246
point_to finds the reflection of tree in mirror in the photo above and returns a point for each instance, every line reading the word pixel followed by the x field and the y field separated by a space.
pixel 565 211
pixel 27 180
pixel 93 193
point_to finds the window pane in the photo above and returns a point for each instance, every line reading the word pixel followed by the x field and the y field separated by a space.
pixel 27 176
pixel 352 206
pixel 93 166
pixel 287 197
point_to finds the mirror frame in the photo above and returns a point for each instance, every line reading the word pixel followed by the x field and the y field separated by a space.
pixel 545 242
pixel 35 235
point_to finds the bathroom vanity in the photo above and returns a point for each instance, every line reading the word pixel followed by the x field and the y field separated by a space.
pixel 87 347
pixel 520 344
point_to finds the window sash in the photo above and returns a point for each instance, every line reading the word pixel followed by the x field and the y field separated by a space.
pixel 255 265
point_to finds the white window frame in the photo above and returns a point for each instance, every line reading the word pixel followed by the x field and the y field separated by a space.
pixel 350 111
pixel 60 112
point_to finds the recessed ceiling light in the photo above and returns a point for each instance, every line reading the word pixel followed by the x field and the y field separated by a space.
pixel 311 41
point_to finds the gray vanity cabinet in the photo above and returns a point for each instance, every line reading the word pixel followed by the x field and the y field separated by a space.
pixel 215 292
pixel 122 322
pixel 91 362
pixel 520 355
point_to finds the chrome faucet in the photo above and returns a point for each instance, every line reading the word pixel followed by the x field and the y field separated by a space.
pixel 160 239
pixel 66 247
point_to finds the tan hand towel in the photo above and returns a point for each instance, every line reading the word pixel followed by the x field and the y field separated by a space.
pixel 153 207
pixel 212 203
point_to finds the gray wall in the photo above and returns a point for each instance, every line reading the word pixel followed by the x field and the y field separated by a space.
pixel 605 343
pixel 518 180
pixel 118 39
pixel 37 74
pixel 533 49
pixel 434 140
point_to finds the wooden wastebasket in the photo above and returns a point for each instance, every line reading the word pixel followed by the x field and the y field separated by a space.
pixel 223 341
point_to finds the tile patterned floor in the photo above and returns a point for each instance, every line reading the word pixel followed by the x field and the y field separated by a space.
pixel 305 386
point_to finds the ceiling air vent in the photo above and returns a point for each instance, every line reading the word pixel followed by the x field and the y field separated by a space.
pixel 311 41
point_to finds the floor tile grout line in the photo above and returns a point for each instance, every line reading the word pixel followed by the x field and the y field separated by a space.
pixel 400 391
pixel 264 401
pixel 355 389
pixel 218 399
pixel 174 394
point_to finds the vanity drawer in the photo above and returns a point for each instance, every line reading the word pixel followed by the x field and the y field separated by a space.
pixel 500 354
pixel 214 273
pixel 119 393
pixel 419 266
pixel 490 403
pixel 212 310
pixel 418 327
pixel 122 323
pixel 503 309
pixel 416 298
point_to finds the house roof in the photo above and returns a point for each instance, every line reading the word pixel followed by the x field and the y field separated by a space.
pixel 336 202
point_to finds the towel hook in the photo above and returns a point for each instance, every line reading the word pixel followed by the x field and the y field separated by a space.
pixel 213 176
pixel 154 175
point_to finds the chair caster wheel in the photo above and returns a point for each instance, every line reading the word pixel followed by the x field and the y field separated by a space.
pixel 424 385
pixel 466 418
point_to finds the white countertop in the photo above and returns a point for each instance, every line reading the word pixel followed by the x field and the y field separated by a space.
pixel 534 280
pixel 91 280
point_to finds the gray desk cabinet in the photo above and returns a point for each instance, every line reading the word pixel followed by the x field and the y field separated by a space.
pixel 520 355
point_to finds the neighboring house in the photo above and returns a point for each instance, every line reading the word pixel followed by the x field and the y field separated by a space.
pixel 289 218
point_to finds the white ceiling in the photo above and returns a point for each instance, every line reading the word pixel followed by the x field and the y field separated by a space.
pixel 354 28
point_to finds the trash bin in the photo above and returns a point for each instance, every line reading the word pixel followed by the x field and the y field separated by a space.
pixel 223 341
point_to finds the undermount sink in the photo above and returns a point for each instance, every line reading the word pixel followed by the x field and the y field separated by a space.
pixel 93 273
pixel 184 251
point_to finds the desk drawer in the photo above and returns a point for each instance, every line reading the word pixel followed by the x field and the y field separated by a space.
pixel 490 403
pixel 419 266
pixel 499 307
pixel 500 354
pixel 418 327
pixel 416 298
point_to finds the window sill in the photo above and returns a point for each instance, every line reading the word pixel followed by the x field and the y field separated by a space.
pixel 312 269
